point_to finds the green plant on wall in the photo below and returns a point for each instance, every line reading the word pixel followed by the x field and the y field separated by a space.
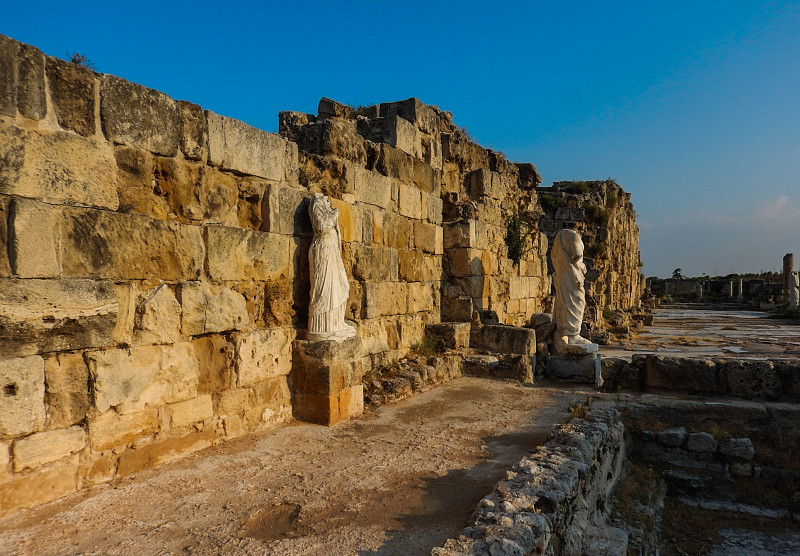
pixel 550 202
pixel 596 213
pixel 599 249
pixel 518 229
pixel 577 187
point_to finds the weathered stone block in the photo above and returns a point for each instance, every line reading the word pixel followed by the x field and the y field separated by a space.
pixel 22 409
pixel 403 135
pixel 148 456
pixel 385 298
pixel 31 100
pixel 422 297
pixel 236 254
pixel 508 339
pixel 111 429
pixel 37 488
pixel 263 354
pixel 485 183
pixel 73 94
pixel 234 145
pixel 234 400
pixel 285 211
pixel 738 449
pixel 139 117
pixel 672 437
pixel 130 380
pixel 394 163
pixel 9 50
pixel 701 442
pixel 45 447
pixel 467 262
pixel 67 384
pixel 215 357
pixel 193 192
pixel 340 138
pixel 674 373
pixel 158 318
pixel 349 226
pixel 751 379
pixel 119 246
pixel 409 201
pixel 584 369
pixel 34 239
pixel 328 108
pixel 454 335
pixel 191 411
pixel 397 231
pixel 328 410
pixel 208 308
pixel 38 316
pixel 374 263
pixel 57 167
pixel 319 378
pixel 194 130
pixel 429 237
pixel 372 188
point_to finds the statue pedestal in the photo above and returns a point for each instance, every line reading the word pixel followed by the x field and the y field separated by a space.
pixel 326 379
pixel 575 368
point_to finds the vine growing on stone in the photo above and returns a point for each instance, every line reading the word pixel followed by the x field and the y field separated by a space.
pixel 518 229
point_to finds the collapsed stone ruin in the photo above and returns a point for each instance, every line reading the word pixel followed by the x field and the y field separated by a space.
pixel 154 265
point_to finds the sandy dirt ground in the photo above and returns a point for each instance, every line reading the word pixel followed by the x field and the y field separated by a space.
pixel 400 480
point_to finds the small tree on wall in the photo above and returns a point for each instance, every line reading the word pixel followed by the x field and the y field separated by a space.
pixel 81 60
pixel 518 229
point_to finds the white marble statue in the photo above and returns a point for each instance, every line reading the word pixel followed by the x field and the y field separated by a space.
pixel 570 301
pixel 329 286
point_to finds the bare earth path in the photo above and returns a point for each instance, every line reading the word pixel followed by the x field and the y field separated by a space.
pixel 398 481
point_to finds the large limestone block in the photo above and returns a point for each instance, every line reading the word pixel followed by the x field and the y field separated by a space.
pixel 349 225
pixel 467 262
pixel 215 356
pixel 394 163
pixel 236 254
pixel 454 335
pixel 45 447
pixel 234 145
pixel 264 354
pixel 509 339
pixel 401 134
pixel 191 411
pixel 385 298
pixel 31 99
pixel 57 167
pixel 374 263
pixel 398 231
pixel 111 429
pixel 72 90
pixel 120 246
pixel 683 374
pixel 485 183
pixel 194 131
pixel 422 297
pixel 39 316
pixel 751 379
pixel 149 456
pixel 429 237
pixel 209 308
pixel 158 318
pixel 329 409
pixel 130 380
pixel 39 487
pixel 34 234
pixel 9 50
pixel 410 201
pixel 22 408
pixel 423 116
pixel 285 211
pixel 66 379
pixel 372 188
pixel 139 117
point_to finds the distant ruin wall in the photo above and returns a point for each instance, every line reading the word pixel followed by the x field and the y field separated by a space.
pixel 153 261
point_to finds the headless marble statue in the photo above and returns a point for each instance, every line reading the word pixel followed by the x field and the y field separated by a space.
pixel 329 286
pixel 570 300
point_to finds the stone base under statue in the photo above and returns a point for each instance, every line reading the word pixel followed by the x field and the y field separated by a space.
pixel 575 368
pixel 326 379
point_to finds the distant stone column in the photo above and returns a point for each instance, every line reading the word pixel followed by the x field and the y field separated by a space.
pixel 740 295
pixel 794 296
pixel 730 288
pixel 788 268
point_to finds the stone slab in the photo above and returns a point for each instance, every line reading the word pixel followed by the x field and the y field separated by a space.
pixel 263 354
pixel 66 380
pixel 22 408
pixel 111 429
pixel 454 335
pixel 139 117
pixel 39 316
pixel 72 90
pixel 31 97
pixel 39 487
pixel 574 369
pixel 208 308
pixel 236 254
pixel 234 145
pixel 45 447
pixel 323 409
pixel 57 167
pixel 34 239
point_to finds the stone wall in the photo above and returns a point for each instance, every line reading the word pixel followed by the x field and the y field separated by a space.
pixel 603 214
pixel 153 261
pixel 557 500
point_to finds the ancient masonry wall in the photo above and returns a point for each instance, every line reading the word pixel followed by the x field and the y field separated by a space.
pixel 603 214
pixel 153 262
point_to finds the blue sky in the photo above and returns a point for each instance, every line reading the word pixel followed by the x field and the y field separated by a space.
pixel 693 107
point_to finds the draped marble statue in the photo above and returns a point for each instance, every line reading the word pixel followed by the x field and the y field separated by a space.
pixel 329 286
pixel 570 300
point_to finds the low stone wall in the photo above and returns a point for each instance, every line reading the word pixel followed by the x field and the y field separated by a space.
pixel 749 379
pixel 553 502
